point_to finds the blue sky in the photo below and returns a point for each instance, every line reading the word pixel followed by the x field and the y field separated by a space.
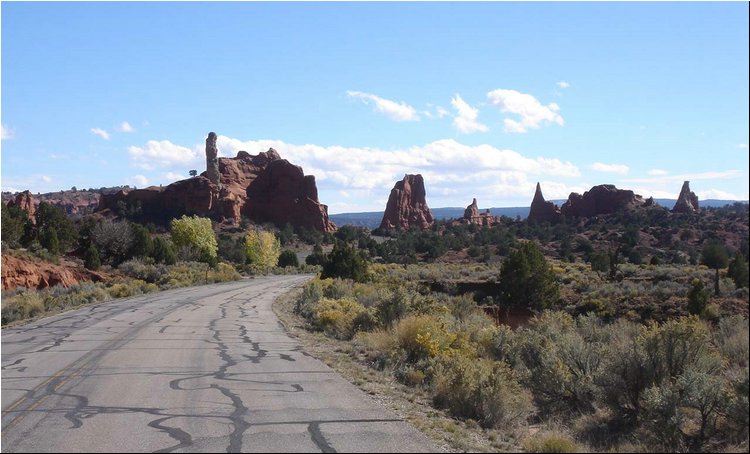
pixel 483 99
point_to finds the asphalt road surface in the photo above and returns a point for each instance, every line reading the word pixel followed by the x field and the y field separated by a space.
pixel 202 369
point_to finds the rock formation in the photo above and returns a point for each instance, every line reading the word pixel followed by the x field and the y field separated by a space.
pixel 212 161
pixel 472 215
pixel 25 201
pixel 21 271
pixel 407 206
pixel 541 210
pixel 602 199
pixel 687 202
pixel 282 195
pixel 472 211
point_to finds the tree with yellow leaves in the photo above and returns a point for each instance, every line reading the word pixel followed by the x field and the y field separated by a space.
pixel 262 248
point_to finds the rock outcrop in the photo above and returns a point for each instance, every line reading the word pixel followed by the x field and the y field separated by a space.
pixel 283 194
pixel 541 210
pixel 472 215
pixel 223 192
pixel 25 201
pixel 687 202
pixel 37 274
pixel 602 199
pixel 407 206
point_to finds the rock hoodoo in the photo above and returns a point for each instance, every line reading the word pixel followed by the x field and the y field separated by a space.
pixel 212 160
pixel 687 202
pixel 541 210
pixel 472 215
pixel 407 206
pixel 602 199
pixel 223 193
pixel 25 201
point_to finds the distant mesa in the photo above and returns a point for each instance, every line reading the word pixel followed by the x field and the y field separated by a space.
pixel 472 215
pixel 407 206
pixel 265 188
pixel 602 199
pixel 687 202
pixel 541 210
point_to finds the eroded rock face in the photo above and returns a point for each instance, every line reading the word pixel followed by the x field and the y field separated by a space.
pixel 25 201
pixel 602 199
pixel 541 210
pixel 687 202
pixel 38 274
pixel 407 206
pixel 282 194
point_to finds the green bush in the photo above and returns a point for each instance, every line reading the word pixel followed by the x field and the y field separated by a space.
pixel 527 280
pixel 346 263
pixel 288 258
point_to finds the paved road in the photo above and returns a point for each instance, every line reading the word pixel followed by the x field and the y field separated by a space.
pixel 201 369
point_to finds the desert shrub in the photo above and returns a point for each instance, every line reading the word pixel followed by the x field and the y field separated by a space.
pixel 311 294
pixel 140 269
pixel 91 258
pixel 732 338
pixel 561 359
pixel 550 442
pixel 698 297
pixel 336 317
pixel 484 390
pixel 422 337
pixel 164 251
pixel 24 305
pixel 113 240
pixel 738 271
pixel 338 288
pixel 394 307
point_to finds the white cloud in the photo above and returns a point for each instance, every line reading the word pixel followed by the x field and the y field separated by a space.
pixel 742 146
pixel 397 111
pixel 45 178
pixel 687 177
pixel 657 172
pixel 101 133
pixel 453 171
pixel 466 120
pixel 125 127
pixel 531 112
pixel 6 132
pixel 610 168
pixel 562 84
pixel 717 194
pixel 171 177
pixel 139 180
pixel 162 154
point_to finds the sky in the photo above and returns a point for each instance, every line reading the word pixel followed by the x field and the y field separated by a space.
pixel 483 99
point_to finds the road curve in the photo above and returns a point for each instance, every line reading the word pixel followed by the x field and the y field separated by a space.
pixel 201 369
